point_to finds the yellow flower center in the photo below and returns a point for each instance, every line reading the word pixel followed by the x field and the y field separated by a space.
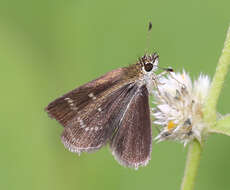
pixel 171 125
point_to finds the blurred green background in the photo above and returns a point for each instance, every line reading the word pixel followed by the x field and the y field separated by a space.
pixel 49 47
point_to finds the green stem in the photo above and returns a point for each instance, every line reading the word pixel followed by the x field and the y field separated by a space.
pixel 217 83
pixel 192 164
pixel 209 112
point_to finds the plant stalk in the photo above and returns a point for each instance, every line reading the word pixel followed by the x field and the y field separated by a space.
pixel 192 164
pixel 217 83
pixel 209 112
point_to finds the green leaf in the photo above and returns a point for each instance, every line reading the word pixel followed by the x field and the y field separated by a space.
pixel 222 126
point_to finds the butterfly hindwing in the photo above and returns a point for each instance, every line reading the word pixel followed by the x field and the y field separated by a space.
pixel 131 145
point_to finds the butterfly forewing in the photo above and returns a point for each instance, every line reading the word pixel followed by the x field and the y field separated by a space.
pixel 65 108
pixel 131 145
pixel 91 131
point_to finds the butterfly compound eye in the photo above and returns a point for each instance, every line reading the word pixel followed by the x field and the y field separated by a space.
pixel 148 67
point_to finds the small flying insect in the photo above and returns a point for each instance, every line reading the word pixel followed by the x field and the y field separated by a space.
pixel 114 109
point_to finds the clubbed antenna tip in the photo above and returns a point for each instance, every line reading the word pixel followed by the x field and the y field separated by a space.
pixel 150 26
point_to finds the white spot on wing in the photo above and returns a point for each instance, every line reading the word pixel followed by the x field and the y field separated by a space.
pixel 80 121
pixel 69 100
pixel 71 104
pixel 91 95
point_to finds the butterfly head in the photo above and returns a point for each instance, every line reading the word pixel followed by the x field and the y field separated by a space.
pixel 149 63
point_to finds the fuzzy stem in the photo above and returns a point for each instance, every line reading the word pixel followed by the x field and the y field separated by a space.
pixel 192 164
pixel 217 83
pixel 209 112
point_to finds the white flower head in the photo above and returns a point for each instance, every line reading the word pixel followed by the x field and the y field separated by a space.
pixel 179 105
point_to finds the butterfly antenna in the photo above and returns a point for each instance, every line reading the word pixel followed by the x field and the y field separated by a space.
pixel 148 36
pixel 169 71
